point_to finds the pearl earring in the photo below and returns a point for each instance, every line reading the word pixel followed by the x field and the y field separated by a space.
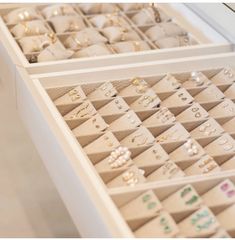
pixel 119 157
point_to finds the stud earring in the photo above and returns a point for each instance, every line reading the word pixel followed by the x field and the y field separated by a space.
pixel 192 200
pixel 130 178
pixel 173 171
pixel 224 187
pixel 151 205
pixel 223 141
pixel 205 162
pixel 209 168
pixel 195 109
pixel 106 138
pixel 156 155
pixel 146 198
pixel 228 147
pixel 204 127
pixel 230 193
pixel 198 115
pixel 195 77
pixel 185 191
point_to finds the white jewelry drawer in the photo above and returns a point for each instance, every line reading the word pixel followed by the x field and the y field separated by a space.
pixel 210 42
pixel 93 206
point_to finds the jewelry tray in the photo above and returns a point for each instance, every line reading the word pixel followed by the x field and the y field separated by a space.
pixel 210 42
pixel 81 187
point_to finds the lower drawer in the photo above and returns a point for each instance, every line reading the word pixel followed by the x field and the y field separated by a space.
pixel 94 207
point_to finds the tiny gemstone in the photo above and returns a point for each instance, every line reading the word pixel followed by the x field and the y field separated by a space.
pixel 152 205
pixel 146 197
pixel 202 129
pixel 231 75
pixel 224 187
pixel 228 147
pixel 163 221
pixel 167 229
pixel 231 193
pixel 226 71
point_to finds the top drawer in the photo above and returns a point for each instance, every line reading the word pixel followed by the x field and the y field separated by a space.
pixel 122 44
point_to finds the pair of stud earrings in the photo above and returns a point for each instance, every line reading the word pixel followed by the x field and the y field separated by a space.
pixel 196 77
pixel 199 215
pixel 185 192
pixel 171 168
pixel 108 141
pixel 157 156
pixel 130 118
pixel 228 72
pixel 163 221
pixel 119 106
pixel 74 95
pixel 182 97
pixel 105 86
pixel 204 130
pixel 164 115
pixel 172 136
pixel 119 157
pixel 226 147
pixel 140 84
pixel 191 148
pixel 146 100
pixel 196 111
pixel 210 168
pixel 146 199
pixel 227 190
pixel 97 125
pixel 131 178
pixel 208 165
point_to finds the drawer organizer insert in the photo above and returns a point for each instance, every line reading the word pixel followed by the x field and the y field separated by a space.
pixel 86 30
pixel 174 129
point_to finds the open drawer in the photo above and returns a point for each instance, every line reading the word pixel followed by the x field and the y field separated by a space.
pixel 93 191
pixel 209 42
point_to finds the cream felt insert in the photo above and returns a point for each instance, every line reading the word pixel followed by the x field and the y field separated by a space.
pixel 207 129
pixel 192 225
pixel 147 204
pixel 221 194
pixel 141 137
pixel 107 142
pixel 127 121
pixel 167 171
pixel 93 125
pixel 123 179
pixel 157 227
pixel 181 200
pixel 153 156
pixel 116 106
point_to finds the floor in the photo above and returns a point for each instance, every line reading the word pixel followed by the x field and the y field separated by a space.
pixel 29 203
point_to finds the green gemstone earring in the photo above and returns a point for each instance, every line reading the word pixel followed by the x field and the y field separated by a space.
pixel 146 198
pixel 167 229
pixel 198 216
pixel 163 221
pixel 185 191
pixel 192 200
pixel 151 205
